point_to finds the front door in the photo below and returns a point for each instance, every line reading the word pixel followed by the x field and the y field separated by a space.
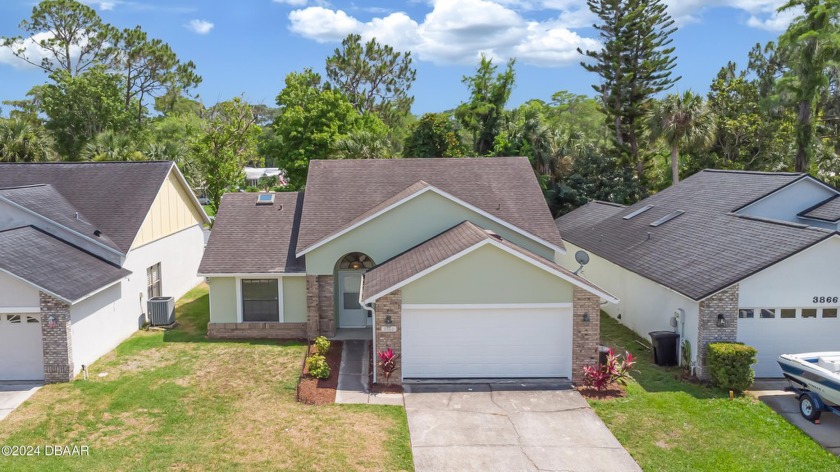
pixel 350 311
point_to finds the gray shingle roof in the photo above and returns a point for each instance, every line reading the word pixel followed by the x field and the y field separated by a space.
pixel 827 210
pixel 338 192
pixel 439 248
pixel 53 265
pixel 114 196
pixel 48 203
pixel 255 239
pixel 705 249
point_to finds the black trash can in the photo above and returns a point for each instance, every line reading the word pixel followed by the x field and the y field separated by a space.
pixel 664 347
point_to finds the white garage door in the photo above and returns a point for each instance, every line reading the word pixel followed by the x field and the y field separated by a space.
pixel 21 352
pixel 486 342
pixel 816 331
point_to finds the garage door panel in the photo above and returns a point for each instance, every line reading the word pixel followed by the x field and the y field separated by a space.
pixel 775 336
pixel 484 342
pixel 21 351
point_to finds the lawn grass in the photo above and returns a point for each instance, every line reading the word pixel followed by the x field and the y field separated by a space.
pixel 209 210
pixel 175 400
pixel 667 424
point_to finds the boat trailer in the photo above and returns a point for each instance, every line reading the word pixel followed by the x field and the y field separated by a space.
pixel 811 405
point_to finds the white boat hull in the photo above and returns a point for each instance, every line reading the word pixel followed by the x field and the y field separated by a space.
pixel 818 372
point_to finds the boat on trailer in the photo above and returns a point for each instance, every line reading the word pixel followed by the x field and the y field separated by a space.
pixel 815 378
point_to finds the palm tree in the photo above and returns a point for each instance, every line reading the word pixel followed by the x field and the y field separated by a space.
pixel 361 145
pixel 22 141
pixel 111 146
pixel 682 120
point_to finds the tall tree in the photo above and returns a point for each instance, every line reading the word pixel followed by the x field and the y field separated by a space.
pixel 813 41
pixel 434 135
pixel 112 146
pixel 682 120
pixel 634 65
pixel 489 93
pixel 73 35
pixel 24 141
pixel 374 77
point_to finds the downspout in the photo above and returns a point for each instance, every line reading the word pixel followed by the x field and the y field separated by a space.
pixel 369 307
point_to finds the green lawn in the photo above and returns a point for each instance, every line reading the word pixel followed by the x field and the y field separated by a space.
pixel 177 401
pixel 667 424
pixel 209 210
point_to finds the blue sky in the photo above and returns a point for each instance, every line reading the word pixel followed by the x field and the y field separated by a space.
pixel 247 47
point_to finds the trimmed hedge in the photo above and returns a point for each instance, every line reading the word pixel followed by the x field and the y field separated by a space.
pixel 730 365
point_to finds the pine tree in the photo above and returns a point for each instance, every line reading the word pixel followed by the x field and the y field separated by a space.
pixel 634 65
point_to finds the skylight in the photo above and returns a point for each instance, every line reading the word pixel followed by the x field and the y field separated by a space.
pixel 667 218
pixel 265 199
pixel 638 212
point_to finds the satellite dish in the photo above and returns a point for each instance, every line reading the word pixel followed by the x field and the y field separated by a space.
pixel 582 258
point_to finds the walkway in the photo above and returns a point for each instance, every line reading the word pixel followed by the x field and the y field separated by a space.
pixel 353 377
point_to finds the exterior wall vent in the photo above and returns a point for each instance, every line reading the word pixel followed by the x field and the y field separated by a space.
pixel 638 212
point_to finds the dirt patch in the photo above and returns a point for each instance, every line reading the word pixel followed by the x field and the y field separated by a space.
pixel 616 391
pixel 321 391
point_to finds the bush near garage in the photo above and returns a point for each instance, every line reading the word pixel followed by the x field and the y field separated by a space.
pixel 730 365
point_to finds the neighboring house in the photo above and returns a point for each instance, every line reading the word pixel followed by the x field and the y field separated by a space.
pixel 82 247
pixel 741 256
pixel 450 262
pixel 254 174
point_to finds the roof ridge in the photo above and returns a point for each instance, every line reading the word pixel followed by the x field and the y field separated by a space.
pixel 83 163
pixel 753 172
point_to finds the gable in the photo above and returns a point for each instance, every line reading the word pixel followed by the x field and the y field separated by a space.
pixel 488 275
pixel 15 293
pixel 788 202
pixel 406 225
pixel 172 210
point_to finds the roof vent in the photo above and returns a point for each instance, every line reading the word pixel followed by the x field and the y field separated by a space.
pixel 97 233
pixel 265 199
pixel 638 212
pixel 667 218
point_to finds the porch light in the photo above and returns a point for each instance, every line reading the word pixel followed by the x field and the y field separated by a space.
pixel 586 317
pixel 355 265
pixel 389 320
pixel 721 321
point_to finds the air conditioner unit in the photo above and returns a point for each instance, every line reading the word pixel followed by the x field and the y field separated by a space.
pixel 161 311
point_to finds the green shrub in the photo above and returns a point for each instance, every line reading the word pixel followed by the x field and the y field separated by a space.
pixel 318 367
pixel 730 365
pixel 322 345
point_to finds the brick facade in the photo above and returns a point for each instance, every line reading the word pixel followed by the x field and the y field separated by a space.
pixel 57 335
pixel 320 306
pixel 267 330
pixel 586 335
pixel 724 302
pixel 389 305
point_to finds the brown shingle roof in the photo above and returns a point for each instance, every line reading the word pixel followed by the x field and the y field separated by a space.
pixel 254 239
pixel 53 265
pixel 115 196
pixel 703 250
pixel 451 242
pixel 339 192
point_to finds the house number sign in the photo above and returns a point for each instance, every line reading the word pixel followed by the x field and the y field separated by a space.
pixel 825 299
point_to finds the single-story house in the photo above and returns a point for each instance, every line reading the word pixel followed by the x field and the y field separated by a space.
pixel 449 262
pixel 82 247
pixel 723 256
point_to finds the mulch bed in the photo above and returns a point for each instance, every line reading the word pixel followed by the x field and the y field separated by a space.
pixel 616 391
pixel 377 387
pixel 321 391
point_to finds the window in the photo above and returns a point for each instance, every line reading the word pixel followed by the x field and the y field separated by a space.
pixel 809 312
pixel 787 313
pixel 32 319
pixel 13 318
pixel 746 313
pixel 260 300
pixel 829 312
pixel 768 313
pixel 153 283
pixel 354 261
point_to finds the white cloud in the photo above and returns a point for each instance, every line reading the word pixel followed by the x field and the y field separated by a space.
pixel 32 51
pixel 455 31
pixel 199 26
pixel 762 13
pixel 294 3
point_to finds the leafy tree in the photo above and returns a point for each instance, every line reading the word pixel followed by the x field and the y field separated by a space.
pixel 362 144
pixel 82 106
pixel 489 93
pixel 434 135
pixel 634 65
pixel 311 119
pixel 171 137
pixel 73 35
pixel 227 143
pixel 682 120
pixel 374 77
pixel 23 141
pixel 812 40
pixel 112 146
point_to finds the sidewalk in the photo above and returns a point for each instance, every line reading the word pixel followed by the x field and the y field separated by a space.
pixel 353 377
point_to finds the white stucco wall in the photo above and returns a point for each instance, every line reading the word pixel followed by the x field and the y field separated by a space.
pixel 788 202
pixel 644 305
pixel 15 295
pixel 104 320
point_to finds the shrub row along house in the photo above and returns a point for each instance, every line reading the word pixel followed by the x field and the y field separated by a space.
pixel 725 256
pixel 82 247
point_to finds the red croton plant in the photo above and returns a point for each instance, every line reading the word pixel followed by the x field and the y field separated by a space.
pixel 388 364
pixel 602 376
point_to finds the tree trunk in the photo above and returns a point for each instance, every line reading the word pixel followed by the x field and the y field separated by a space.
pixel 804 134
pixel 675 164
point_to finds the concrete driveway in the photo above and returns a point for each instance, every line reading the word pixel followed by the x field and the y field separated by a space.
pixel 772 392
pixel 12 394
pixel 517 426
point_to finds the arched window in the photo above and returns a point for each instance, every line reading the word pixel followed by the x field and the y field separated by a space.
pixel 355 260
